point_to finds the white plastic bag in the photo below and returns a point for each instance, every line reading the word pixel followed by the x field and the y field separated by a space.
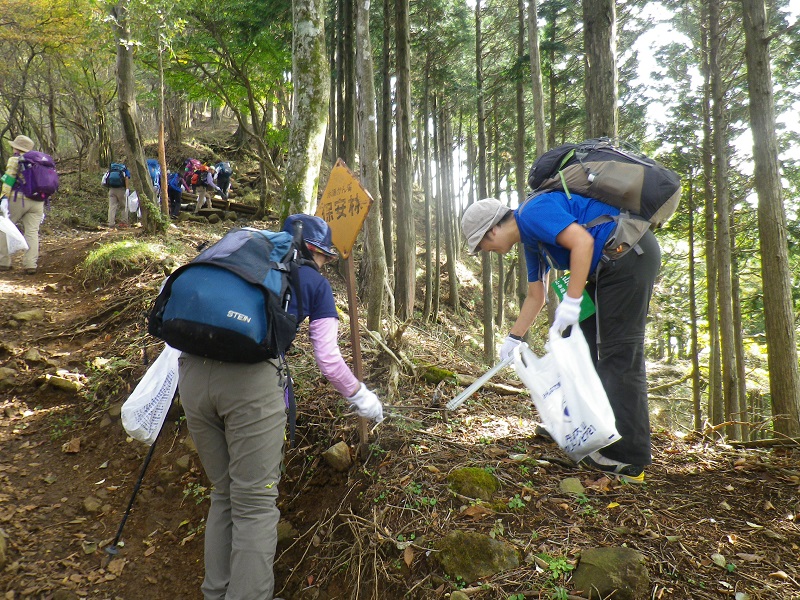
pixel 133 202
pixel 144 411
pixel 14 238
pixel 568 394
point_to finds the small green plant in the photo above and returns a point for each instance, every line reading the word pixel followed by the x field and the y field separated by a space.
pixel 196 492
pixel 498 529
pixel 524 470
pixel 380 497
pixel 559 593
pixel 61 426
pixel 516 502
pixel 516 597
pixel 415 491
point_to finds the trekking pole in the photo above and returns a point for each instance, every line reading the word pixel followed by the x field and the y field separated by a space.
pixel 462 397
pixel 112 549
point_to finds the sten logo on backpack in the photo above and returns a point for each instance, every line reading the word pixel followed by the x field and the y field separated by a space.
pixel 115 177
pixel 231 302
pixel 624 179
pixel 37 178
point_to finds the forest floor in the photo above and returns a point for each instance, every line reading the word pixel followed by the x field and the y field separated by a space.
pixel 712 520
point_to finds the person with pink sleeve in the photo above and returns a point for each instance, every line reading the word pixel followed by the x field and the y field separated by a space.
pixel 236 413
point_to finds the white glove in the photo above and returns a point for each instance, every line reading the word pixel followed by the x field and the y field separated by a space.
pixel 567 313
pixel 367 404
pixel 508 346
pixel 4 206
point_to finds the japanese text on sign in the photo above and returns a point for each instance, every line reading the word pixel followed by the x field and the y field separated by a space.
pixel 344 206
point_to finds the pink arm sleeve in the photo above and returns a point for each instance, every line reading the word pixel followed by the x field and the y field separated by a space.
pixel 323 333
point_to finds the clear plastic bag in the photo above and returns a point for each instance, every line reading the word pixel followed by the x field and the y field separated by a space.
pixel 14 238
pixel 144 411
pixel 568 394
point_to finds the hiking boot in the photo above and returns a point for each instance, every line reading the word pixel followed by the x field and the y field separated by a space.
pixel 31 271
pixel 620 470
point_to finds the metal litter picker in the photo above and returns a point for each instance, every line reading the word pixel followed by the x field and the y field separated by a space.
pixel 462 397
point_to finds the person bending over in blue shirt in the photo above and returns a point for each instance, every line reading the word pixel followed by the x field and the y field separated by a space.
pixel 588 238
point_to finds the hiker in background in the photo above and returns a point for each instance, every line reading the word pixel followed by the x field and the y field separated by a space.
pixel 29 214
pixel 154 168
pixel 550 229
pixel 222 177
pixel 201 184
pixel 175 188
pixel 117 179
pixel 236 414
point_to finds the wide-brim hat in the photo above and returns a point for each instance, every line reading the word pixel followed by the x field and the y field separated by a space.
pixel 479 218
pixel 22 143
pixel 315 232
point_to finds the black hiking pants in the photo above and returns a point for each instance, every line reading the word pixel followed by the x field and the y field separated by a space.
pixel 622 291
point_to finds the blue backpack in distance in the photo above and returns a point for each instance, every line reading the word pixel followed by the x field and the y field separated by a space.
pixel 231 302
pixel 116 175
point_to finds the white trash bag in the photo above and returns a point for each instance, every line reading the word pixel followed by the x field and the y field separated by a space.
pixel 132 200
pixel 14 238
pixel 568 394
pixel 144 411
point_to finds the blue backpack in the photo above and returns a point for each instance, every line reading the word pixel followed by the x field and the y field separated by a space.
pixel 116 175
pixel 154 168
pixel 231 302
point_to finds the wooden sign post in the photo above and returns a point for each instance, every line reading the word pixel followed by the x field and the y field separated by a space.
pixel 344 206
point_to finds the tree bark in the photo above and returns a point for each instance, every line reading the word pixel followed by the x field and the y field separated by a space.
pixel 486 259
pixel 599 35
pixel 405 274
pixel 386 140
pixel 376 273
pixel 152 220
pixel 309 107
pixel 724 291
pixel 775 270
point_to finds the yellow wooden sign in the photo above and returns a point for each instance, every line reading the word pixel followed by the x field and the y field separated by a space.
pixel 344 206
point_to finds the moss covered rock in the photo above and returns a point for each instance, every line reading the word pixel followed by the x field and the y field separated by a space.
pixel 468 556
pixel 473 482
pixel 617 571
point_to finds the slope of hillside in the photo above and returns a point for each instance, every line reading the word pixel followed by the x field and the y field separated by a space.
pixel 712 521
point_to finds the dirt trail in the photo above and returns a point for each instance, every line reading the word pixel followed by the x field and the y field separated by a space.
pixel 67 472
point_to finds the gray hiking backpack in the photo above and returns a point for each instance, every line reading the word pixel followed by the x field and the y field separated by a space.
pixel 625 179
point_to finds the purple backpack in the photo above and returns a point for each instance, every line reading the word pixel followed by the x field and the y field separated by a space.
pixel 37 178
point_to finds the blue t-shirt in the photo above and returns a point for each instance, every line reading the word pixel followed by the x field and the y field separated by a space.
pixel 318 301
pixel 542 218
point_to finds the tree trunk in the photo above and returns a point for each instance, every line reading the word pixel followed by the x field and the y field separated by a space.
pixel 405 274
pixel 695 351
pixel 426 188
pixel 386 140
pixel 437 263
pixel 376 273
pixel 350 110
pixel 448 208
pixel 724 291
pixel 309 107
pixel 486 259
pixel 599 36
pixel 775 271
pixel 715 407
pixel 536 78
pixel 152 220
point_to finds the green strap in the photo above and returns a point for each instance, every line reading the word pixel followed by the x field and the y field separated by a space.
pixel 567 157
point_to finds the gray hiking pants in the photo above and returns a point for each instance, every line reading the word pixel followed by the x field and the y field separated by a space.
pixel 29 214
pixel 237 416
